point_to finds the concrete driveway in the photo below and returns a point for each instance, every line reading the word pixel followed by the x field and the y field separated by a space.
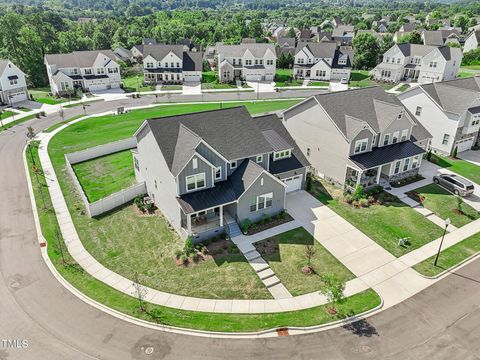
pixel 262 86
pixel 192 88
pixel 472 156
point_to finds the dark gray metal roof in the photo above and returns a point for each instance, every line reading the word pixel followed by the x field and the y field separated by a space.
pixel 192 61
pixel 386 154
pixel 221 193
pixel 277 142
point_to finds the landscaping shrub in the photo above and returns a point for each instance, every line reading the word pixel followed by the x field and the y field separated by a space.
pixel 428 156
pixel 359 192
pixel 363 202
pixel 309 183
pixel 188 249
pixel 246 225
pixel 178 253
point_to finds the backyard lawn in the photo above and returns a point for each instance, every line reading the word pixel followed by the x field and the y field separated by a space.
pixel 385 223
pixel 450 257
pixel 444 204
pixel 360 78
pixel 126 242
pixel 459 166
pixel 105 175
pixel 286 255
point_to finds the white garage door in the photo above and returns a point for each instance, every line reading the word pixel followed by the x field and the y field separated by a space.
pixel 293 183
pixel 465 144
pixel 20 96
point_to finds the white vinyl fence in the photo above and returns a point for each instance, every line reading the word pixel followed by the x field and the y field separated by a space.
pixel 114 200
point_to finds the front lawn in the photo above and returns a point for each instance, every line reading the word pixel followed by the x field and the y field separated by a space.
pixel 385 224
pixel 450 257
pixel 16 122
pixel 360 78
pixel 465 74
pixel 284 77
pixel 210 81
pixel 318 83
pixel 403 87
pixel 470 67
pixel 286 255
pixel 114 299
pixel 126 242
pixel 6 114
pixel 42 95
pixel 105 175
pixel 135 83
pixel 459 166
pixel 444 204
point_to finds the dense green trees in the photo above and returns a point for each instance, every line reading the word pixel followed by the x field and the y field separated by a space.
pixel 366 51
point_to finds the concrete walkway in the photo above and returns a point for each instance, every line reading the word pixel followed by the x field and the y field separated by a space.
pixel 374 267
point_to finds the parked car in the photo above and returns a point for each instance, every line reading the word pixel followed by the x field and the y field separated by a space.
pixel 454 183
pixel 344 81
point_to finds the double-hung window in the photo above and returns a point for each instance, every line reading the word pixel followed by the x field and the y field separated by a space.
pixel 415 162
pixel 261 202
pixel 195 182
pixel 395 137
pixel 406 162
pixel 281 155
pixel 218 173
pixel 418 111
pixel 404 135
pixel 386 139
pixel 446 137
pixel 397 167
pixel 360 146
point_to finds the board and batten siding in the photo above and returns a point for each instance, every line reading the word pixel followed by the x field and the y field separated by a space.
pixel 202 167
pixel 211 156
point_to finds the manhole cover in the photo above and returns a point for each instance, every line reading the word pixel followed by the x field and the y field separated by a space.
pixel 149 350
pixel 364 349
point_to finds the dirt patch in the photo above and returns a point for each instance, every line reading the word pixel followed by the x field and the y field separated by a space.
pixel 416 196
pixel 209 250
pixel 274 221
pixel 267 247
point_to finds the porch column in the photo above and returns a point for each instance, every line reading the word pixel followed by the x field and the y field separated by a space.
pixel 221 215
pixel 189 224
pixel 379 172
pixel 359 176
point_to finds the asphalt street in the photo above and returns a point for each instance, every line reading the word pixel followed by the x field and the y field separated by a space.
pixel 442 322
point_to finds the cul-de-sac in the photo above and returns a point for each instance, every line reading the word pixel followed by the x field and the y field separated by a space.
pixel 263 179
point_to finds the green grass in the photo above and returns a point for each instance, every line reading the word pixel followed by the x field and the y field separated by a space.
pixel 105 175
pixel 132 84
pixel 443 204
pixel 465 74
pixel 470 67
pixel 16 122
pixel 288 261
pixel 125 241
pixel 360 78
pixel 284 77
pixel 459 166
pixel 403 88
pixel 318 83
pixel 210 81
pixel 450 257
pixel 41 95
pixel 25 109
pixel 114 299
pixel 57 125
pixel 6 114
pixel 385 224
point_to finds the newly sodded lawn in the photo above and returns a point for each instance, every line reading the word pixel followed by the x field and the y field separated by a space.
pixel 385 224
pixel 114 299
pixel 459 166
pixel 360 78
pixel 444 204
pixel 450 257
pixel 105 175
pixel 286 255
pixel 210 81
pixel 132 84
pixel 126 242
pixel 6 114
pixel 41 95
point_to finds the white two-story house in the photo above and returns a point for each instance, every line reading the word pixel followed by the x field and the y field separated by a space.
pixel 472 41
pixel 83 70
pixel 13 86
pixel 449 110
pixel 322 61
pixel 418 63
pixel 171 64
pixel 358 137
pixel 250 62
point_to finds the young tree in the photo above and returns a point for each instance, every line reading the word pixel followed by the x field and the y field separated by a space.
pixel 333 288
pixel 291 33
pixel 309 254
pixel 413 38
pixel 366 51
pixel 59 245
pixel 140 292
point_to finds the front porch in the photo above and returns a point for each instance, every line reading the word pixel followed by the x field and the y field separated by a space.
pixel 410 75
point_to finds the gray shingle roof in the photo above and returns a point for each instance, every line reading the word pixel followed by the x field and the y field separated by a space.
pixel 454 96
pixel 434 38
pixel 286 41
pixel 422 50
pixel 3 65
pixel 258 50
pixel 321 50
pixel 231 132
pixel 343 30
pixel 158 52
pixel 386 154
pixel 277 142
pixel 80 59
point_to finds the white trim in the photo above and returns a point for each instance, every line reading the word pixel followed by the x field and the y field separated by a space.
pixel 265 202
pixel 140 128
pixel 361 141
pixel 215 173
pixel 254 181
pixel 191 157
pixel 195 176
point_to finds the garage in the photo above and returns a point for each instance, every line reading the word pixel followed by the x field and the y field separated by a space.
pixel 293 183
pixel 464 144
pixel 16 97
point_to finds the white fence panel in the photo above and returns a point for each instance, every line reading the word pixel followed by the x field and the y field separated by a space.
pixel 117 199
pixel 101 150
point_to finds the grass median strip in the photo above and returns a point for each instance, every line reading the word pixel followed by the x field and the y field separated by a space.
pixel 17 122
pixel 450 257
pixel 129 305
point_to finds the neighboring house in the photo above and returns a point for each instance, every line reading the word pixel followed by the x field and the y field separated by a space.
pixel 286 42
pixel 322 61
pixel 189 45
pixel 337 22
pixel 323 36
pixel 250 62
pixel 249 41
pixel 405 29
pixel 358 137
pixel 82 70
pixel 472 41
pixel 13 86
pixel 171 64
pixel 375 34
pixel 286 46
pixel 138 50
pixel 382 25
pixel 210 170
pixel 440 37
pixel 305 35
pixel 449 110
pixel 211 53
pixel 343 34
pixel 122 54
pixel 418 63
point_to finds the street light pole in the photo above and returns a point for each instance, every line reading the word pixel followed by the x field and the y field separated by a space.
pixel 447 222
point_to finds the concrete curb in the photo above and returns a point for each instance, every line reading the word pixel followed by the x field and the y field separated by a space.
pixel 448 271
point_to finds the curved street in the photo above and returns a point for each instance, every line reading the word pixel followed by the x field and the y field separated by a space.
pixel 438 323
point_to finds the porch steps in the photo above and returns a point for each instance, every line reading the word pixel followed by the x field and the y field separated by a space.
pixel 265 274
pixel 233 229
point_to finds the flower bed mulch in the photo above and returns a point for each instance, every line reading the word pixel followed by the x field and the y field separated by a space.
pixel 406 181
pixel 256 228
pixel 216 248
